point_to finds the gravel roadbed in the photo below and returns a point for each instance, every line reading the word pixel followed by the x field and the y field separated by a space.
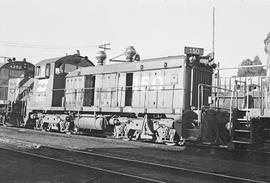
pixel 73 141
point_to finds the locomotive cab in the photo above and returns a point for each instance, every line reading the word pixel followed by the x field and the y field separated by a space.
pixel 64 66
pixel 48 98
pixel 49 81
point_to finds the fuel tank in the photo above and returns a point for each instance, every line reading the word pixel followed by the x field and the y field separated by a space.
pixel 90 122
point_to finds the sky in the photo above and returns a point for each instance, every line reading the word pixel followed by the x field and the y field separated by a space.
pixel 41 29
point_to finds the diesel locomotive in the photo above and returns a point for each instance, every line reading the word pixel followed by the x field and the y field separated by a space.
pixel 137 99
pixel 14 77
pixel 165 100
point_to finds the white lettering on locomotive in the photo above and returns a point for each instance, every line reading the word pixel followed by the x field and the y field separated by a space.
pixel 42 85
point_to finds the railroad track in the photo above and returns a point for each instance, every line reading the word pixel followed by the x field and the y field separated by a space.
pixel 204 146
pixel 141 171
pixel 81 165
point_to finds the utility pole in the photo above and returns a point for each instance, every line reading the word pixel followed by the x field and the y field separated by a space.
pixel 213 50
pixel 213 44
pixel 214 24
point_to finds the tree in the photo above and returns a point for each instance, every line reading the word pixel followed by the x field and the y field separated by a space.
pixel 251 71
pixel 267 49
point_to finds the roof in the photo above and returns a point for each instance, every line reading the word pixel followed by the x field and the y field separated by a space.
pixel 75 60
pixel 147 64
pixel 72 59
pixel 15 65
pixel 164 58
pixel 47 61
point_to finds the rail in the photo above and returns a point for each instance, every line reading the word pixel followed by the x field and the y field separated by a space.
pixel 102 161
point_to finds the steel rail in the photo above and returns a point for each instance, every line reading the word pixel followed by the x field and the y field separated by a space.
pixel 163 166
pixel 81 165
pixel 171 167
pixel 141 162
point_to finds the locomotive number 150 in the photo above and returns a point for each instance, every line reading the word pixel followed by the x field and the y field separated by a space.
pixel 193 51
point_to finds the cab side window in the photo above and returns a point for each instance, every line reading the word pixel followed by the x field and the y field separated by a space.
pixel 60 69
pixel 47 70
pixel 37 70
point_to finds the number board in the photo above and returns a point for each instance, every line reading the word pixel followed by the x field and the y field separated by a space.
pixel 193 51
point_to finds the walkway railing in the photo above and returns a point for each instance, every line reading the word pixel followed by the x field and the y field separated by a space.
pixel 116 96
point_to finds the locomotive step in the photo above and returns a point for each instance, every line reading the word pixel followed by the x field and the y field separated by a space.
pixel 243 115
pixel 243 119
pixel 244 110
pixel 241 130
pixel 267 141
pixel 244 122
pixel 242 126
pixel 241 142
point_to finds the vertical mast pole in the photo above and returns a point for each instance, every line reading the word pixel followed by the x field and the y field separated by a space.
pixel 213 50
pixel 213 41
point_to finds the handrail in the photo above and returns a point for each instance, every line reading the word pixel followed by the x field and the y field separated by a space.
pixel 230 118
pixel 247 93
pixel 102 89
pixel 225 109
pixel 258 81
pixel 209 86
pixel 143 89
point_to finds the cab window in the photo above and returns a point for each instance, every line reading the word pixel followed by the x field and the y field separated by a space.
pixel 69 68
pixel 47 70
pixel 60 69
pixel 37 70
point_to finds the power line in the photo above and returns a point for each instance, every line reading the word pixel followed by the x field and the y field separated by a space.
pixel 37 46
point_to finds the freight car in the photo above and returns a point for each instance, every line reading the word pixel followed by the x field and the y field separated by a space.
pixel 144 99
pixel 13 74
